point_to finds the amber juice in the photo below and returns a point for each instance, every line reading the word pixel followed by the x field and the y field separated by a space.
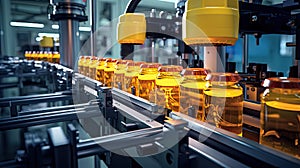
pixel 34 55
pixel 100 70
pixel 119 75
pixel 109 69
pixel 45 56
pixel 49 56
pixel 191 91
pixel 80 64
pixel 224 109
pixel 85 66
pixel 223 102
pixel 28 55
pixel 92 67
pixel 167 87
pixel 131 77
pixel 280 120
pixel 146 80
pixel 56 57
pixel 40 56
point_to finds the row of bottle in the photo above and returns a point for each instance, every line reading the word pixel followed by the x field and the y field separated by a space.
pixel 49 56
pixel 216 98
pixel 164 85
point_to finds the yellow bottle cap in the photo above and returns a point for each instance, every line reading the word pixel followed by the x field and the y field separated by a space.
pixel 211 22
pixel 132 28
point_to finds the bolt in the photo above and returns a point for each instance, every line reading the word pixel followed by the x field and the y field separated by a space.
pixel 254 18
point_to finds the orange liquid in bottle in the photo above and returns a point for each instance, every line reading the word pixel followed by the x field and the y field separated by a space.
pixel 147 82
pixel 280 115
pixel 56 57
pixel 92 67
pixel 100 70
pixel 223 102
pixel 131 77
pixel 167 87
pixel 119 75
pixel 191 91
pixel 109 69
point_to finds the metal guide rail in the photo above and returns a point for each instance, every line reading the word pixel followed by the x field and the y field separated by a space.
pixel 54 77
pixel 118 122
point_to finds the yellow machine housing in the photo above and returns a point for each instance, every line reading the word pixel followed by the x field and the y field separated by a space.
pixel 46 42
pixel 132 28
pixel 212 22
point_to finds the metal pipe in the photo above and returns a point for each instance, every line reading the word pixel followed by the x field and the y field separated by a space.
pixel 297 57
pixel 93 14
pixel 68 13
pixel 45 118
pixel 153 50
pixel 69 42
pixel 214 58
pixel 118 141
pixel 245 53
pixel 132 6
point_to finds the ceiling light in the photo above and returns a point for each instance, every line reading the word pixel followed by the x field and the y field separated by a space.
pixel 87 29
pixel 38 39
pixel 27 24
pixel 55 27
pixel 54 35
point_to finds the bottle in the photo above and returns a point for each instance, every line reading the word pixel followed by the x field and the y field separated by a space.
pixel 131 77
pixel 85 66
pixel 49 58
pixel 56 57
pixel 223 102
pixel 167 87
pixel 92 67
pixel 45 56
pixel 109 69
pixel 34 55
pixel 27 55
pixel 146 81
pixel 80 64
pixel 280 115
pixel 100 70
pixel 39 55
pixel 191 91
pixel 120 70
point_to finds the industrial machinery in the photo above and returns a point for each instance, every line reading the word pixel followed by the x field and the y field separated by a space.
pixel 68 13
pixel 86 124
pixel 120 129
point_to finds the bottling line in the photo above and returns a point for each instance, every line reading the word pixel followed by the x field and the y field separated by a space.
pixel 125 113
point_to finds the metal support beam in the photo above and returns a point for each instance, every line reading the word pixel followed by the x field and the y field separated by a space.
pixel 60 148
pixel 69 42
pixel 214 58
pixel 245 53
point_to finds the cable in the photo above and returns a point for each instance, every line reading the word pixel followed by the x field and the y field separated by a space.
pixel 132 6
